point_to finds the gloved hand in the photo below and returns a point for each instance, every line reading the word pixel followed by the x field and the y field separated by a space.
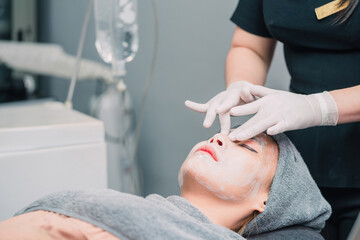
pixel 236 94
pixel 279 111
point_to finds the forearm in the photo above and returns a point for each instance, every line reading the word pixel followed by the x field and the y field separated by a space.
pixel 244 64
pixel 348 104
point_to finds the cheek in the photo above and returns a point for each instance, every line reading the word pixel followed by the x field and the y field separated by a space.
pixel 234 179
pixel 240 180
pixel 242 166
pixel 241 171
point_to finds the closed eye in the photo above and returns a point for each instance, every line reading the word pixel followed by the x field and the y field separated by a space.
pixel 247 147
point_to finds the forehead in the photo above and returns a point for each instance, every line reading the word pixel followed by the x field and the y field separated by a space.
pixel 269 147
pixel 264 139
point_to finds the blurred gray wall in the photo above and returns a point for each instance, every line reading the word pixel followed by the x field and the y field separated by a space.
pixel 194 39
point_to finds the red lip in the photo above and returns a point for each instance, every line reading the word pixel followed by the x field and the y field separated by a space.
pixel 210 150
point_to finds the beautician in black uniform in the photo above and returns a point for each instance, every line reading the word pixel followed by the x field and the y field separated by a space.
pixel 322 51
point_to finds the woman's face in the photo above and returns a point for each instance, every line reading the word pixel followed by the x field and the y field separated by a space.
pixel 231 170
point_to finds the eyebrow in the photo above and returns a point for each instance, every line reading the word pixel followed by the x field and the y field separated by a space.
pixel 255 139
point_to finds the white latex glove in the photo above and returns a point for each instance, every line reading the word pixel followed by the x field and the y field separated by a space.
pixel 236 94
pixel 279 111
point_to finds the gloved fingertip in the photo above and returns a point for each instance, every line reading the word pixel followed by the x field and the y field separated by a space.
pixel 270 132
pixel 242 136
pixel 206 124
pixel 232 137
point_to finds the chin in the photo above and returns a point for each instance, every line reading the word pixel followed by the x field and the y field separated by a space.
pixel 192 188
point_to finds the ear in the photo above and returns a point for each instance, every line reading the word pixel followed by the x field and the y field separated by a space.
pixel 261 202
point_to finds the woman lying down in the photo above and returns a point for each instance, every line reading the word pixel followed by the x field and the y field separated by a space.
pixel 257 188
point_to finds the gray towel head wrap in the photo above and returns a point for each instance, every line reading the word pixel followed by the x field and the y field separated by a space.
pixel 294 197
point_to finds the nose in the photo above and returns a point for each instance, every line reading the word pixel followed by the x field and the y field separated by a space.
pixel 219 140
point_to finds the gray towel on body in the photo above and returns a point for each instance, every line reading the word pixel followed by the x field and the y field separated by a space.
pixel 294 199
pixel 131 217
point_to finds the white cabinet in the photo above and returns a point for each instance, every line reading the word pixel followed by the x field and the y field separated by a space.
pixel 45 147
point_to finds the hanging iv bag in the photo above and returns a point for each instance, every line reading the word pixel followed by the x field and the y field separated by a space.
pixel 116 27
pixel 117 43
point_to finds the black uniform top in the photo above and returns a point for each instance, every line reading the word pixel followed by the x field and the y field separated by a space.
pixel 320 55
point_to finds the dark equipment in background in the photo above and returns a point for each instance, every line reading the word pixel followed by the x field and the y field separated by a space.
pixel 17 23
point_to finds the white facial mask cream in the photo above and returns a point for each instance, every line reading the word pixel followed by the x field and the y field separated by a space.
pixel 231 177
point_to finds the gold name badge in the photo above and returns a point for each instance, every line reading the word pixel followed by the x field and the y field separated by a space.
pixel 329 9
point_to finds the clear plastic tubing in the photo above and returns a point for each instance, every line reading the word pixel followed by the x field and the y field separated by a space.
pixel 116 26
